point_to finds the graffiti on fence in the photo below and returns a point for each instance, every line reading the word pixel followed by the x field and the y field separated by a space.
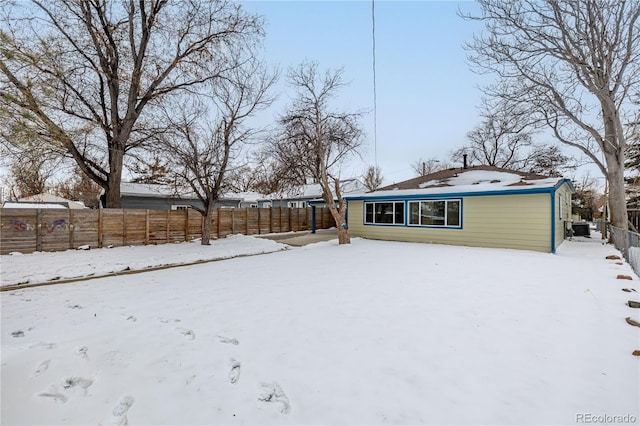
pixel 56 225
pixel 21 225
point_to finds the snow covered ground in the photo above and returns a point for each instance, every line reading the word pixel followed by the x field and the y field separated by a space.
pixel 371 333
pixel 41 267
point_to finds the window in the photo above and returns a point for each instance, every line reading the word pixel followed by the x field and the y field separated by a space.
pixel 445 213
pixel 386 213
pixel 297 204
pixel 179 207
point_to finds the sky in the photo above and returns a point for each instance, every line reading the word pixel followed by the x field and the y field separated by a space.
pixel 426 93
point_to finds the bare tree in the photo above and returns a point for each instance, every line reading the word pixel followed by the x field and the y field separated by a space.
pixel 315 139
pixel 573 65
pixel 502 139
pixel 80 74
pixel 79 188
pixel 372 178
pixel 422 167
pixel 202 145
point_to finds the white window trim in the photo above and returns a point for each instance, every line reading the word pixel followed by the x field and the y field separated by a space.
pixel 394 202
pixel 446 213
pixel 179 206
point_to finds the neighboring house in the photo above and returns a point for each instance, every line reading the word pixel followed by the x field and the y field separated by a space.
pixel 44 201
pixel 165 197
pixel 302 195
pixel 479 206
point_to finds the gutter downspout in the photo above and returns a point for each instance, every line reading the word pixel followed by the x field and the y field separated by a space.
pixel 313 218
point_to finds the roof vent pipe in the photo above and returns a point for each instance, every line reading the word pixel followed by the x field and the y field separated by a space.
pixel 464 161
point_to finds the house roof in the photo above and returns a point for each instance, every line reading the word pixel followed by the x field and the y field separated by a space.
pixel 49 198
pixel 25 205
pixel 167 191
pixel 314 190
pixel 473 180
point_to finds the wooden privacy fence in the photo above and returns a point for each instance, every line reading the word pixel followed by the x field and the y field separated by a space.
pixel 29 230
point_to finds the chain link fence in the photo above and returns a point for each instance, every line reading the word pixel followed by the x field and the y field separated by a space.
pixel 629 245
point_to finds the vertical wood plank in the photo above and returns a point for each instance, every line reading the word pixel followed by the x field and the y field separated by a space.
pixel 38 230
pixel 186 225
pixel 146 227
pixel 100 226
pixel 247 221
pixel 70 229
pixel 124 227
pixel 168 224
pixel 218 226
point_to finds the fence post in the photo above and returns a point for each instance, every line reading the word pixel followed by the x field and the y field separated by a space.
pixel 100 231
pixel 247 220
pixel 38 229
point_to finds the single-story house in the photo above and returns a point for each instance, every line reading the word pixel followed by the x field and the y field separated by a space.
pixel 165 197
pixel 301 196
pixel 479 206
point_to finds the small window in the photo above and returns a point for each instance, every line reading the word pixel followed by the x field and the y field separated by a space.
pixel 444 213
pixel 179 207
pixel 266 205
pixel 384 213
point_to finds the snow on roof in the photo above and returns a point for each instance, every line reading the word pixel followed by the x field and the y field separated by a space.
pixel 21 205
pixel 246 196
pixel 472 181
pixel 151 190
pixel 49 198
pixel 168 191
pixel 314 190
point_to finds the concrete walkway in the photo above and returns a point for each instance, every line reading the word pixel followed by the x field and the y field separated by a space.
pixel 299 239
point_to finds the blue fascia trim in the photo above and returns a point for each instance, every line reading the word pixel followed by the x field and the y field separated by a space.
pixel 568 182
pixel 553 220
pixel 396 197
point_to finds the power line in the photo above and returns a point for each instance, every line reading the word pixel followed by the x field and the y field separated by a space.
pixel 375 96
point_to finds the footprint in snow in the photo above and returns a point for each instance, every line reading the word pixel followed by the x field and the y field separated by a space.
pixel 189 334
pixel 272 394
pixel 17 333
pixel 42 367
pixel 229 340
pixel 74 306
pixel 81 352
pixel 234 374
pixel 78 384
pixel 54 394
pixel 119 413
pixel 71 385
pixel 43 345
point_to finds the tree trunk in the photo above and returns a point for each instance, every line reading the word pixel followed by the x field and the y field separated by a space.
pixel 343 236
pixel 617 196
pixel 112 192
pixel 206 230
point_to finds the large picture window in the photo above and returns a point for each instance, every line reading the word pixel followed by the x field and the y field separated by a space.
pixel 445 213
pixel 385 213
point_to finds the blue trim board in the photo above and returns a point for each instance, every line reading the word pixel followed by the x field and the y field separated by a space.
pixel 553 220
